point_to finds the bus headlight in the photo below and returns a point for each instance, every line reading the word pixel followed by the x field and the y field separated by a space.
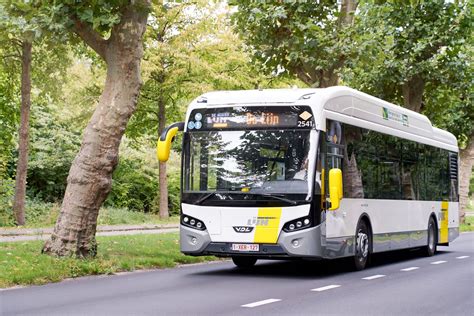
pixel 297 224
pixel 192 222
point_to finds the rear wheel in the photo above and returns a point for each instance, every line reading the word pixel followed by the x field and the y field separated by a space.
pixel 244 262
pixel 430 248
pixel 362 243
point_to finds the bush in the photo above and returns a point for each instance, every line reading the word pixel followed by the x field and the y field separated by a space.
pixel 53 148
pixel 134 185
pixel 7 191
pixel 174 194
pixel 41 214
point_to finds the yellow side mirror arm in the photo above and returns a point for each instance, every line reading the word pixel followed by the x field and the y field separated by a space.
pixel 163 147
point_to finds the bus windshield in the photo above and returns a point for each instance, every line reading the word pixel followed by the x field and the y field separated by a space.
pixel 252 162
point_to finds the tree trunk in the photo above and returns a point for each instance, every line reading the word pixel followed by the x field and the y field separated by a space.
pixel 348 8
pixel 164 212
pixel 22 165
pixel 465 172
pixel 90 176
pixel 413 93
pixel 328 79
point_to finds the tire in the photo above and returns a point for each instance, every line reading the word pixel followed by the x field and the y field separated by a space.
pixel 430 249
pixel 362 246
pixel 244 262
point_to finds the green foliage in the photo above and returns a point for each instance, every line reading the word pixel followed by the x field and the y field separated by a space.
pixel 40 214
pixel 299 38
pixel 53 146
pixel 471 185
pixel 134 185
pixel 123 216
pixel 429 42
pixel 7 190
pixel 37 211
pixel 101 15
pixel 8 119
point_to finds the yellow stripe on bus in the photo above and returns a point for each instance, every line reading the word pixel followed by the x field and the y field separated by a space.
pixel 268 222
pixel 444 231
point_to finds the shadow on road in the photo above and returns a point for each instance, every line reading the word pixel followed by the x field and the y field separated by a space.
pixel 307 269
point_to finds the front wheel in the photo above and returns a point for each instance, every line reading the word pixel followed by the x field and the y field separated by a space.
pixel 244 262
pixel 362 243
pixel 430 248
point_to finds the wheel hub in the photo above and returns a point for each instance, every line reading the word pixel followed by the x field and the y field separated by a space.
pixel 362 246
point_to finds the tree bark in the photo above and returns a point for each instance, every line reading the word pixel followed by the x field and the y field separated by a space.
pixel 22 165
pixel 413 93
pixel 465 171
pixel 348 8
pixel 90 176
pixel 164 211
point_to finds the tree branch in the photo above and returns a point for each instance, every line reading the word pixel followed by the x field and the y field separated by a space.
pixel 90 37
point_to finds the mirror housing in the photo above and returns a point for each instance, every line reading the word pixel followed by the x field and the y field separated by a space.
pixel 335 188
pixel 163 147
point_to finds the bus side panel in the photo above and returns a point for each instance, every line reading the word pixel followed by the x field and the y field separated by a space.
pixel 453 221
pixel 396 224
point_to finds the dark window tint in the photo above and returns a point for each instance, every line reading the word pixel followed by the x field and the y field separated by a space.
pixel 381 166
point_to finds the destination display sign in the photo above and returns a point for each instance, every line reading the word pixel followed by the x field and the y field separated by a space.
pixel 246 117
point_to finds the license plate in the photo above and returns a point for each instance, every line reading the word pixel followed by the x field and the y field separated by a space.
pixel 245 247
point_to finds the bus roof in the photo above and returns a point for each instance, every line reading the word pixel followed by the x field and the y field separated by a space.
pixel 338 103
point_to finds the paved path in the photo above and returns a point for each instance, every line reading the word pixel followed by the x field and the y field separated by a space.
pixel 23 234
pixel 401 283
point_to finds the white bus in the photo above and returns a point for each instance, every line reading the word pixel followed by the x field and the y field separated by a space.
pixel 312 173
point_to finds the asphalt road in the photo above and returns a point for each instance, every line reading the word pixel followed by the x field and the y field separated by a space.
pixel 401 283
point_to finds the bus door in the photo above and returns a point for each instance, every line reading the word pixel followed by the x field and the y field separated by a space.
pixel 334 153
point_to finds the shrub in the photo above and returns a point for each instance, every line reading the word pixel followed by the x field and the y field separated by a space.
pixel 7 191
pixel 134 185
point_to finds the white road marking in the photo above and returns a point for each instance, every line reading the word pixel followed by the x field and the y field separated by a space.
pixel 462 257
pixel 324 288
pixel 259 303
pixel 438 262
pixel 372 277
pixel 409 269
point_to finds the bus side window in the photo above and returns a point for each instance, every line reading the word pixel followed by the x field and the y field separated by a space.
pixel 334 145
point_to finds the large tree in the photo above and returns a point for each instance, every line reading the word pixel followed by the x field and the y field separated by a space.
pixel 309 40
pixel 421 57
pixel 114 30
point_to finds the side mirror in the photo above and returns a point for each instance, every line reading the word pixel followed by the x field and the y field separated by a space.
pixel 163 147
pixel 335 188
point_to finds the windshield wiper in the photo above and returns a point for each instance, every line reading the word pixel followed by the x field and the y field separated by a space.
pixel 277 197
pixel 205 197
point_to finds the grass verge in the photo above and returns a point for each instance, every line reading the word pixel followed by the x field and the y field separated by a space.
pixel 42 215
pixel 468 225
pixel 23 264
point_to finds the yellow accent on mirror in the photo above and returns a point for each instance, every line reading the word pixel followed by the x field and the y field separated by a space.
pixel 163 147
pixel 245 189
pixel 335 188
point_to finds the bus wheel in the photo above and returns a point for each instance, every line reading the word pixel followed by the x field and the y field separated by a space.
pixel 244 262
pixel 430 248
pixel 362 242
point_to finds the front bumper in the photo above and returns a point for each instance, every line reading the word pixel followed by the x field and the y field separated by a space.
pixel 304 243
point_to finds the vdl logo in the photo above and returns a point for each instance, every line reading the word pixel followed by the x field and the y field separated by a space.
pixel 243 229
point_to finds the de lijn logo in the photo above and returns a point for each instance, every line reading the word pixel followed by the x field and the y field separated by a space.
pixel 394 116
